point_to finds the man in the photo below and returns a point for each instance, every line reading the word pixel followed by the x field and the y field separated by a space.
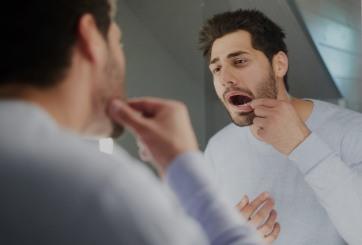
pixel 61 77
pixel 305 154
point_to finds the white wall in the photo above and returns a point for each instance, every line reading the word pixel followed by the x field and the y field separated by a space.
pixel 152 71
pixel 335 26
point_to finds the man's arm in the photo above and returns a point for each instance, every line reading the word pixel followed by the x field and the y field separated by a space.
pixel 337 186
pixel 164 127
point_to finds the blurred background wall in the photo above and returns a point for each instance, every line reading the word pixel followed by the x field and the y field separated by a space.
pixel 161 46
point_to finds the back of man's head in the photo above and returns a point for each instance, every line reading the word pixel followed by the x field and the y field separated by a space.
pixel 38 36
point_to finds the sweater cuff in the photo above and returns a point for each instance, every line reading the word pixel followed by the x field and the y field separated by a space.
pixel 186 175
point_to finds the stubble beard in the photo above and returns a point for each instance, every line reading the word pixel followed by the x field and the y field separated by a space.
pixel 268 89
pixel 103 96
pixel 115 75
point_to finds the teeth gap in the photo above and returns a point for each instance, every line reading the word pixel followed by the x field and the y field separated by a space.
pixel 239 100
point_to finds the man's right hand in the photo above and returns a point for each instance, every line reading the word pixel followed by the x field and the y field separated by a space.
pixel 260 213
pixel 163 126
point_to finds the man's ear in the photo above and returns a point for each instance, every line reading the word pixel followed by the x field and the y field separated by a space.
pixel 90 41
pixel 280 64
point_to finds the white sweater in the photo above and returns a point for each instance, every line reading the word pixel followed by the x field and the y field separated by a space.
pixel 317 190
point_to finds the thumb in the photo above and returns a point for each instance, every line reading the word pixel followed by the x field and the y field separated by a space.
pixel 121 113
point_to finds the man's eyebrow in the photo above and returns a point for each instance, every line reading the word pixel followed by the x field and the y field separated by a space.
pixel 237 53
pixel 213 61
pixel 231 55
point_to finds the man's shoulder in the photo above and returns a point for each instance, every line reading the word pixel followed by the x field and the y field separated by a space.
pixel 340 128
pixel 334 116
pixel 53 151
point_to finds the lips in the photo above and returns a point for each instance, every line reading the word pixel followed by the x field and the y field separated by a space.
pixel 239 100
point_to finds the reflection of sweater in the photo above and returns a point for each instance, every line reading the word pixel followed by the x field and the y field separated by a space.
pixel 318 190
pixel 57 189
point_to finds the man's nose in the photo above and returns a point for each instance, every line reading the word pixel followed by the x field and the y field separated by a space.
pixel 227 77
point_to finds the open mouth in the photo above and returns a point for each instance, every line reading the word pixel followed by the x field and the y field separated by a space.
pixel 237 99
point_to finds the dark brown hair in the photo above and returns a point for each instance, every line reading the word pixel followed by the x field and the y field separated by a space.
pixel 38 36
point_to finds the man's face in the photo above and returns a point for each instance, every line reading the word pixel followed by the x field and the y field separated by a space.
pixel 241 74
pixel 111 83
pixel 116 71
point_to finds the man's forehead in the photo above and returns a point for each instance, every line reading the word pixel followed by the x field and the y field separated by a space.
pixel 239 41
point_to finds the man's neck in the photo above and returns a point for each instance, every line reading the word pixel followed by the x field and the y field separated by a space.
pixel 304 108
pixel 55 101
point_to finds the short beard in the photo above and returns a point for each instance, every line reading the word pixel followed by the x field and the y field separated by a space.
pixel 248 119
pixel 104 95
pixel 265 90
pixel 117 130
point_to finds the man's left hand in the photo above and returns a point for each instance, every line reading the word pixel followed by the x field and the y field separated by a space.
pixel 277 123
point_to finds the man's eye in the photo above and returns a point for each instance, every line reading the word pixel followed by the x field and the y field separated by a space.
pixel 216 70
pixel 240 61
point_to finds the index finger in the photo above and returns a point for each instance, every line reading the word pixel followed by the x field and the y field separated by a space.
pixel 149 106
pixel 146 104
pixel 125 115
pixel 264 102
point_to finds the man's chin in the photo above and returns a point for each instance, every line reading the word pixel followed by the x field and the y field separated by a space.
pixel 117 131
pixel 243 119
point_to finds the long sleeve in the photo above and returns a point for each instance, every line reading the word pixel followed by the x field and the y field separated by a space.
pixel 337 185
pixel 222 224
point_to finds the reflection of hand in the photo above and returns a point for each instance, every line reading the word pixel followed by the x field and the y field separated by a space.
pixel 146 156
pixel 261 215
pixel 277 123
pixel 162 125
